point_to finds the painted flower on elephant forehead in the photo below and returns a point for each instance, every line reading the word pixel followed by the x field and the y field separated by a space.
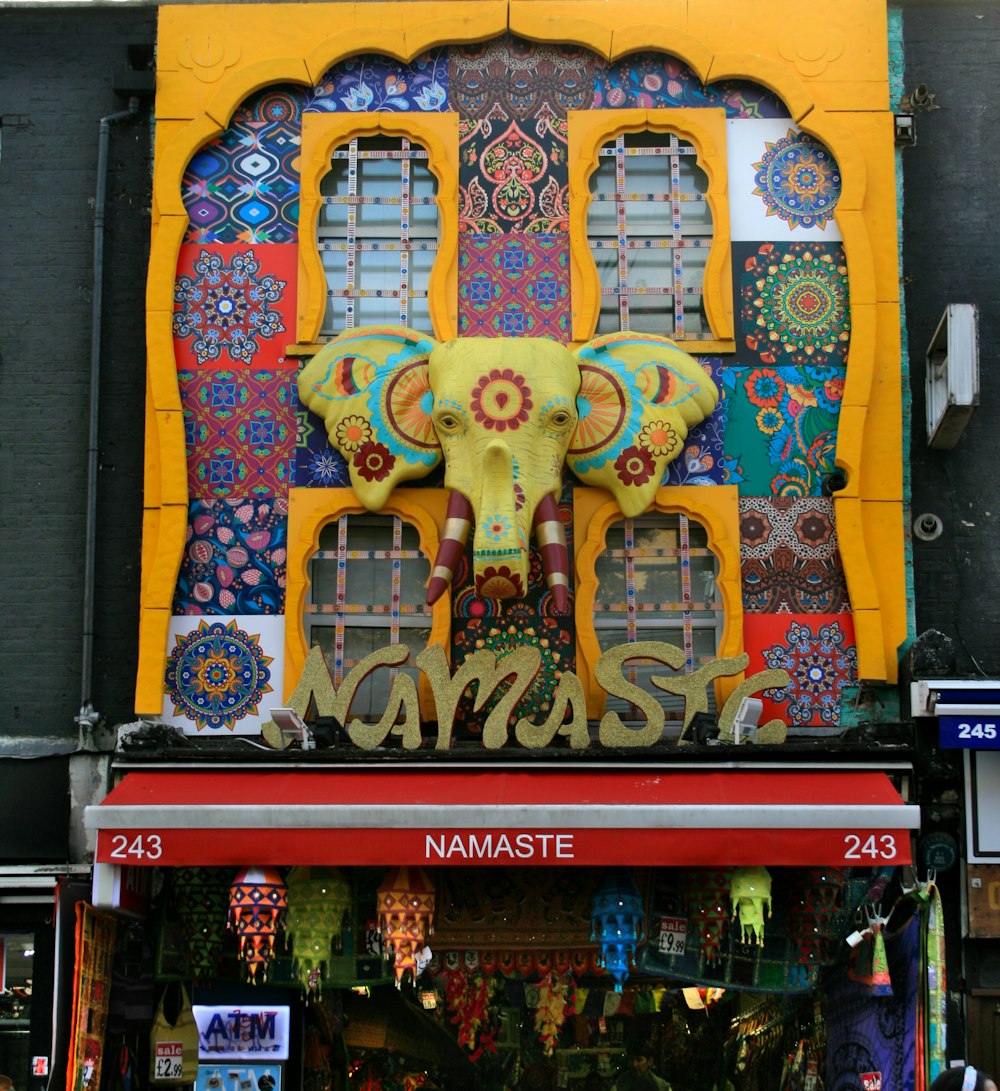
pixel 635 466
pixel 374 462
pixel 499 583
pixel 659 438
pixel 501 400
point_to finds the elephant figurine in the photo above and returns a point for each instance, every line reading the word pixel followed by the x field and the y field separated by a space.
pixel 506 414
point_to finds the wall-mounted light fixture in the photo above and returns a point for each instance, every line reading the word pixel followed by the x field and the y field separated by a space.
pixel 952 378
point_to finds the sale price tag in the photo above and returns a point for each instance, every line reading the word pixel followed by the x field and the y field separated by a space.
pixel 673 935
pixel 168 1061
pixel 871 1081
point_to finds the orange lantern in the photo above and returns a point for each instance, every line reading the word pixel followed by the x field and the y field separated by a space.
pixel 405 913
pixel 258 899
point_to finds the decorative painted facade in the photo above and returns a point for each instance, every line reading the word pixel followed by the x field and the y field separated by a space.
pixel 779 266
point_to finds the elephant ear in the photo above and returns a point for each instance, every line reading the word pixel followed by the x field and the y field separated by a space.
pixel 639 395
pixel 370 386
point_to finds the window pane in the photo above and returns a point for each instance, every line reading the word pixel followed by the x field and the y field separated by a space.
pixel 378 163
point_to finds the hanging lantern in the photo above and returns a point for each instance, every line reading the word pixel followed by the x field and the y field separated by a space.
pixel 318 898
pixel 750 895
pixel 405 913
pixel 815 914
pixel 258 898
pixel 201 899
pixel 617 920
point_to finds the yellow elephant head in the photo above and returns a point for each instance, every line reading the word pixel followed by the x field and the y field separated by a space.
pixel 506 415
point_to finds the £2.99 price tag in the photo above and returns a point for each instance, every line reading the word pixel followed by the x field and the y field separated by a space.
pixel 673 935
pixel 168 1062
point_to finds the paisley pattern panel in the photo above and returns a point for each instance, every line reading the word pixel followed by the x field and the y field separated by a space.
pixel 513 177
pixel 371 83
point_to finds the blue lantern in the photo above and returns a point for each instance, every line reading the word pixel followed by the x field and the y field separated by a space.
pixel 617 922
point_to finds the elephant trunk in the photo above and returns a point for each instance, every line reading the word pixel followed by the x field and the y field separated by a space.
pixel 500 548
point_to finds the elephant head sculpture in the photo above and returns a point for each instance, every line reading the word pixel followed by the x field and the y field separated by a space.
pixel 506 415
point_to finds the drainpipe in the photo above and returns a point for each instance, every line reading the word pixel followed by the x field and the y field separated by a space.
pixel 88 717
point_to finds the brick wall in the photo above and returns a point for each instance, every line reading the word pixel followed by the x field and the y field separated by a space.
pixel 56 70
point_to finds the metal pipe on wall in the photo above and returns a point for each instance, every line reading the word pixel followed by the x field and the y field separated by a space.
pixel 88 717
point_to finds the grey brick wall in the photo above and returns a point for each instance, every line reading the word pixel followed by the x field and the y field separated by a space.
pixel 951 252
pixel 56 70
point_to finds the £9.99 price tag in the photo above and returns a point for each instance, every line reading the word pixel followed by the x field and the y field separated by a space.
pixel 673 935
pixel 168 1062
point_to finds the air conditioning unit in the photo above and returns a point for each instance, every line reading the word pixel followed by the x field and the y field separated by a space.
pixel 952 381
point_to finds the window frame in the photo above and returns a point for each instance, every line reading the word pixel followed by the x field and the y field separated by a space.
pixel 705 130
pixel 309 511
pixel 595 512
pixel 322 134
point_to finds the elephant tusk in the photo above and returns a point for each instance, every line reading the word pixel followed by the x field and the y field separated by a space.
pixel 457 524
pixel 551 540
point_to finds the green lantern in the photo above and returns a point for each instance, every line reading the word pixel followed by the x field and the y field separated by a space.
pixel 318 897
pixel 201 900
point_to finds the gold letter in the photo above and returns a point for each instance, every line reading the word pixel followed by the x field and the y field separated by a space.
pixel 569 691
pixel 609 674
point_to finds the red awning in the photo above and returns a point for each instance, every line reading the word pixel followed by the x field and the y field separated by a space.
pixel 530 816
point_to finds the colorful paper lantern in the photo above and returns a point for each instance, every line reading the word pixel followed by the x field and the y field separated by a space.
pixel 405 913
pixel 814 916
pixel 201 898
pixel 750 895
pixel 318 898
pixel 258 899
pixel 618 922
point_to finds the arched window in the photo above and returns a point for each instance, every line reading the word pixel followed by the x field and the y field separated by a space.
pixel 366 591
pixel 378 234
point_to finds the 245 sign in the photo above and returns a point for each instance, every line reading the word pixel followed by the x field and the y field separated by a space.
pixel 967 733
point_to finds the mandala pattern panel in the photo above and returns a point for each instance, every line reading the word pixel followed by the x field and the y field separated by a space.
pixel 223 675
pixel 243 186
pixel 317 463
pixel 373 83
pixel 781 427
pixel 820 654
pixel 790 560
pixel 655 80
pixel 703 460
pixel 240 430
pixel 234 306
pixel 514 79
pixel 513 177
pixel 783 183
pixel 794 306
pixel 514 286
pixel 234 558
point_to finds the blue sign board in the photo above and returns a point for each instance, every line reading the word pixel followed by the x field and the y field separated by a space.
pixel 978 732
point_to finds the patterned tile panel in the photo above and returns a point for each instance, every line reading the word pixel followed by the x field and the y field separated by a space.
pixel 234 557
pixel 371 83
pixel 783 183
pixel 243 186
pixel 514 286
pixel 818 651
pixel 513 177
pixel 240 432
pixel 792 303
pixel 511 78
pixel 781 427
pixel 224 674
pixel 655 80
pixel 234 305
pixel 790 561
